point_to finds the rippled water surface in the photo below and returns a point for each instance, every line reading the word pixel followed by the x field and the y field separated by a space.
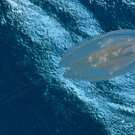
pixel 34 35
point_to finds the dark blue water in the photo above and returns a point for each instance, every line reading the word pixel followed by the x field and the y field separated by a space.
pixel 34 35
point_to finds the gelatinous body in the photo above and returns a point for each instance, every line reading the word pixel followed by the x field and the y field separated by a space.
pixel 103 57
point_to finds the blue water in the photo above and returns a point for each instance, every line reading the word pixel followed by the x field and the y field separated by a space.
pixel 34 35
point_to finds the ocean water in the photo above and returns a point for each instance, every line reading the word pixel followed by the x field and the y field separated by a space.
pixel 35 98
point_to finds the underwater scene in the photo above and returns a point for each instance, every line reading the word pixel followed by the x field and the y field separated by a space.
pixel 38 96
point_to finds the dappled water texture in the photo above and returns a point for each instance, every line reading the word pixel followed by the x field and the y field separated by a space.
pixel 103 57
